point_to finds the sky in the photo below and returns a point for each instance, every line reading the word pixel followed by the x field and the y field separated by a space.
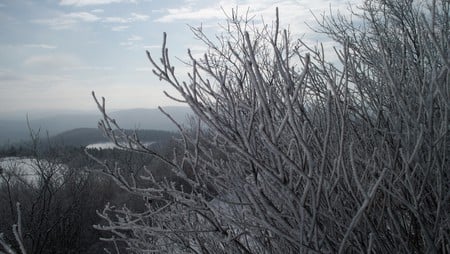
pixel 53 53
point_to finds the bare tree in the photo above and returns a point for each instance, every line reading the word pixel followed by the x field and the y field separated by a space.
pixel 293 154
pixel 57 205
pixel 18 236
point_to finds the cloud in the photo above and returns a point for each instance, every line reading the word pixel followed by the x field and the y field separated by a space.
pixel 82 16
pixel 88 68
pixel 8 75
pixel 61 62
pixel 42 46
pixel 52 61
pixel 144 69
pixel 13 81
pixel 291 12
pixel 134 17
pixel 152 46
pixel 119 28
pixel 158 10
pixel 188 13
pixel 131 45
pixel 133 42
pixel 138 17
pixel 115 20
pixel 67 20
pixel 135 38
pixel 31 91
pixel 92 2
pixel 295 15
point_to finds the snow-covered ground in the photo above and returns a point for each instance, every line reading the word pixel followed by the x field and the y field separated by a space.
pixel 105 145
pixel 30 171
pixel 110 145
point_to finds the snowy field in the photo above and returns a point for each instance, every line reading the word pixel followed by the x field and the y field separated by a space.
pixel 110 145
pixel 28 170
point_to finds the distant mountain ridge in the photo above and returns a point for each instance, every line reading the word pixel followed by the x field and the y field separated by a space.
pixel 13 131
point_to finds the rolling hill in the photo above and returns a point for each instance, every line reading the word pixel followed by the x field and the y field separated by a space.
pixel 13 130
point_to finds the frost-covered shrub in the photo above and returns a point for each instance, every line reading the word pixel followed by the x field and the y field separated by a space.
pixel 293 154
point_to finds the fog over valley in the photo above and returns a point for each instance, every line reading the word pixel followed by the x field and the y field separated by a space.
pixel 14 128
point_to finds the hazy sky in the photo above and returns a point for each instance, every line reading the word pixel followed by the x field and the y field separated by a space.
pixel 53 53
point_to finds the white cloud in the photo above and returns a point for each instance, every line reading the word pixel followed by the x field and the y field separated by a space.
pixel 295 15
pixel 70 20
pixel 88 68
pixel 56 23
pixel 82 16
pixel 152 46
pixel 188 13
pixel 119 28
pixel 138 17
pixel 134 17
pixel 61 62
pixel 42 46
pixel 135 38
pixel 13 81
pixel 8 75
pixel 115 20
pixel 52 61
pixel 144 69
pixel 98 11
pixel 67 20
pixel 133 42
pixel 292 12
pixel 92 2
pixel 158 10
pixel 127 44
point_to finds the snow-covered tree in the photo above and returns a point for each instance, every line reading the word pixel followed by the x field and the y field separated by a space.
pixel 46 201
pixel 290 153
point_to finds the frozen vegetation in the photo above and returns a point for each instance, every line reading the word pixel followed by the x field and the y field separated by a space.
pixel 288 152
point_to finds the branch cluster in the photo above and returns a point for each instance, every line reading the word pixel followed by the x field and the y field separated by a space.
pixel 291 154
